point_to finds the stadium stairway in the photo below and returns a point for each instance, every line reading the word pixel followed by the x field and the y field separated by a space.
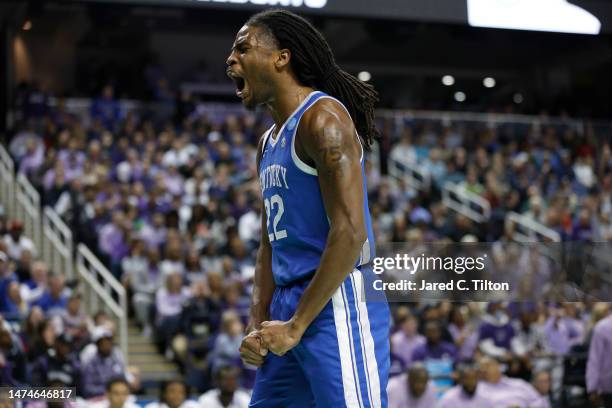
pixel 143 354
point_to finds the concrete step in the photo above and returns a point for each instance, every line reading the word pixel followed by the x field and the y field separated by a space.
pixel 141 347
pixel 146 358
pixel 138 339
pixel 153 366
pixel 156 366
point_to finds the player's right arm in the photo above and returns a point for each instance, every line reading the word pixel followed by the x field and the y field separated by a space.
pixel 251 351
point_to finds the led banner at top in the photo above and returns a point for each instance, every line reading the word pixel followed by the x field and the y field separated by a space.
pixel 590 17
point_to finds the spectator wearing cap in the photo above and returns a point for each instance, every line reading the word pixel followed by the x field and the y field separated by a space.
pixel 412 389
pixel 103 366
pixel 53 301
pixel 58 364
pixel 504 391
pixel 174 394
pixel 467 393
pixel 16 242
pixel 599 366
pixel 227 394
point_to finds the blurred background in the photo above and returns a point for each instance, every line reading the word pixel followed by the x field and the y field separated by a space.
pixel 130 205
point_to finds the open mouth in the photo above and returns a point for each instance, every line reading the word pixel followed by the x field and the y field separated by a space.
pixel 239 82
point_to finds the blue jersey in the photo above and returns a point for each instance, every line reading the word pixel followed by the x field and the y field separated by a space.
pixel 297 222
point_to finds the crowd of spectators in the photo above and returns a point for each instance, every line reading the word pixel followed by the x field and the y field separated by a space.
pixel 172 208
pixel 47 340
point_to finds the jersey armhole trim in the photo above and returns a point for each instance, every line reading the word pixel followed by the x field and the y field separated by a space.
pixel 265 141
pixel 296 159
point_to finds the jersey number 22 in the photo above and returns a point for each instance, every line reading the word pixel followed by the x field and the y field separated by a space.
pixel 277 201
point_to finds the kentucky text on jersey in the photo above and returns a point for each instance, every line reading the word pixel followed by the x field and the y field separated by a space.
pixel 274 175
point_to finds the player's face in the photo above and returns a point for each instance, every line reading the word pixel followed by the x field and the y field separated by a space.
pixel 251 65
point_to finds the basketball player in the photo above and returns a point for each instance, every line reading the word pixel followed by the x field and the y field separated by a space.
pixel 327 346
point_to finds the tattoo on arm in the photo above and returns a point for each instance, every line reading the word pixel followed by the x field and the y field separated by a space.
pixel 331 154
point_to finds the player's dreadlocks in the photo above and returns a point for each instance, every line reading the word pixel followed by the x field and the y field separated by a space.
pixel 313 62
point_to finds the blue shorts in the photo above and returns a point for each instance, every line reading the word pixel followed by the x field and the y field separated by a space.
pixel 342 359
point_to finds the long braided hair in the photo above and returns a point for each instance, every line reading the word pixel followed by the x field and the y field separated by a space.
pixel 312 61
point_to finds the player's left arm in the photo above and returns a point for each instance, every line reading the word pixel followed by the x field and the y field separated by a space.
pixel 330 142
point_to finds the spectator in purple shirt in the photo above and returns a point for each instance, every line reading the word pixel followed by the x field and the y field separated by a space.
pixel 496 333
pixel 169 301
pixel 463 333
pixel 467 393
pixel 599 366
pixel 434 348
pixel 406 339
pixel 33 158
pixel 561 332
pixel 102 367
pixel 504 391
pixel 412 390
pixel 113 240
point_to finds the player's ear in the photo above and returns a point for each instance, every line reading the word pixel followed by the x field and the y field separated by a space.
pixel 283 58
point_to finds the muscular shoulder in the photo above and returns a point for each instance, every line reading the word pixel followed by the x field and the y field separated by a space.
pixel 325 114
pixel 326 133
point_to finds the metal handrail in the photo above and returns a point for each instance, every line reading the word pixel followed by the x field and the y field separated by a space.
pixel 457 198
pixel 59 246
pixel 7 177
pixel 534 229
pixel 105 287
pixel 28 209
pixel 414 174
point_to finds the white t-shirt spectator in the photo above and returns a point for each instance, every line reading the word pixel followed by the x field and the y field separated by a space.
pixel 168 267
pixel 211 399
pixel 171 304
pixel 249 226
pixel 14 248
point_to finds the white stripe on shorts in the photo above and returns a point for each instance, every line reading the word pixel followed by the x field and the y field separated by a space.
pixel 347 362
pixel 367 345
